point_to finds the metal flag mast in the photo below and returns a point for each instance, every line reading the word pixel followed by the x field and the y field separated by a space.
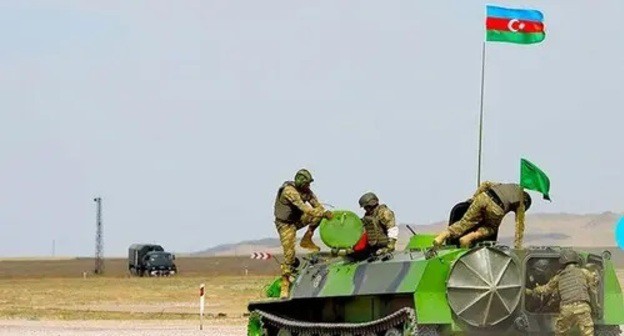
pixel 481 115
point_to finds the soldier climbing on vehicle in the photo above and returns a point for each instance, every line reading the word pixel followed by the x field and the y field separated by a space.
pixel 489 204
pixel 578 295
pixel 291 214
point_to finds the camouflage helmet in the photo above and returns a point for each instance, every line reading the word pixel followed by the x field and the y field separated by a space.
pixel 527 200
pixel 541 265
pixel 542 270
pixel 569 257
pixel 368 199
pixel 303 177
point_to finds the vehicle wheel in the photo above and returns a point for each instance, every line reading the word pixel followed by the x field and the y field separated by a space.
pixel 607 331
pixel 428 330
pixel 284 332
pixel 393 332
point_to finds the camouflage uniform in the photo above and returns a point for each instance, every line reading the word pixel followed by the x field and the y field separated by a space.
pixel 379 223
pixel 291 214
pixel 490 203
pixel 575 287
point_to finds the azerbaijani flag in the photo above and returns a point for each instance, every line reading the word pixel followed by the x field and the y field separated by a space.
pixel 521 26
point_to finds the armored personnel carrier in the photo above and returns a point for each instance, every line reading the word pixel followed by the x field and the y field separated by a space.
pixel 423 291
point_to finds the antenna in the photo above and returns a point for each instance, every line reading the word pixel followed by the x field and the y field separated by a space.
pixel 99 262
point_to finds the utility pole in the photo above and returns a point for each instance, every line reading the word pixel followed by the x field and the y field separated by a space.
pixel 99 261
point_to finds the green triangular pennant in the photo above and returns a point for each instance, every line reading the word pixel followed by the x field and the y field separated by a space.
pixel 533 178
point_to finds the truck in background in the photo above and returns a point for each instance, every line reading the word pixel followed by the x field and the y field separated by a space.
pixel 150 260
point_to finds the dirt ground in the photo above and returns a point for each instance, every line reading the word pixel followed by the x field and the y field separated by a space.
pixel 114 328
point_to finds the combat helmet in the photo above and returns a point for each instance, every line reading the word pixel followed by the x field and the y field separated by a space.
pixel 369 199
pixel 569 257
pixel 303 177
pixel 542 270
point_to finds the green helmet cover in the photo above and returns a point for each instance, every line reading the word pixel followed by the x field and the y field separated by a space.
pixel 303 177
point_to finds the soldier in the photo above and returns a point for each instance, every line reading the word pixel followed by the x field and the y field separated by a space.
pixel 291 214
pixel 577 290
pixel 381 230
pixel 490 203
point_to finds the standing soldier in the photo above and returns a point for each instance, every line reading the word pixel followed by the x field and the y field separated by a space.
pixel 291 214
pixel 490 203
pixel 379 222
pixel 577 289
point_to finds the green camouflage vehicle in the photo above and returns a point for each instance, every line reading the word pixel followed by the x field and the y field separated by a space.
pixel 421 291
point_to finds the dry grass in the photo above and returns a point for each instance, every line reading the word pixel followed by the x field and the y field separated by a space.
pixel 56 289
pixel 129 298
pixel 193 267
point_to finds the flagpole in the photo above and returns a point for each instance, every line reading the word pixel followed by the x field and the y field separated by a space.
pixel 481 115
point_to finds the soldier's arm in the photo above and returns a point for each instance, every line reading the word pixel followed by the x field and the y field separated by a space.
pixel 292 195
pixel 519 234
pixel 592 281
pixel 483 187
pixel 315 202
pixel 388 220
pixel 548 288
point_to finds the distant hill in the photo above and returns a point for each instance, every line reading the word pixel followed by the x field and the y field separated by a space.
pixel 589 230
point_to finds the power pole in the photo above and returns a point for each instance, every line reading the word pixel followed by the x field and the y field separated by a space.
pixel 99 261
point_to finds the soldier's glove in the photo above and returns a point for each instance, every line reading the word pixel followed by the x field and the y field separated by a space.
pixel 328 214
pixel 528 292
pixel 381 251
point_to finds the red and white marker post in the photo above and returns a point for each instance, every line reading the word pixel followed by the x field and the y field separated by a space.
pixel 201 307
pixel 264 256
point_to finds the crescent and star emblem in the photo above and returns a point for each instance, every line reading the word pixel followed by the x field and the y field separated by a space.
pixel 510 25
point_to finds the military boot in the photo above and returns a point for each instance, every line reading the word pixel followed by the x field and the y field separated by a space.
pixel 307 243
pixel 285 290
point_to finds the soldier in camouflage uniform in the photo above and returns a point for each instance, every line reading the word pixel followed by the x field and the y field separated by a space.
pixel 577 290
pixel 379 222
pixel 291 214
pixel 490 203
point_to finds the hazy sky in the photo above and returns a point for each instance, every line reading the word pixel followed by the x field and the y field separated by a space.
pixel 185 117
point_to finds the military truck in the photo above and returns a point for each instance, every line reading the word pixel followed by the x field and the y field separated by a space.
pixel 150 260
pixel 449 290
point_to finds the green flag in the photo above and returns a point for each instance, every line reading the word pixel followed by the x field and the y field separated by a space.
pixel 533 178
